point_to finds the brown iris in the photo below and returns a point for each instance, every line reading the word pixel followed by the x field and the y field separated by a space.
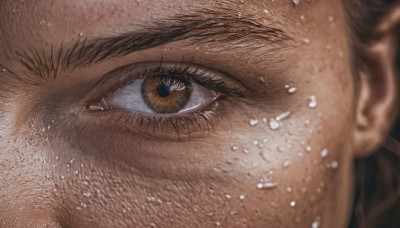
pixel 166 95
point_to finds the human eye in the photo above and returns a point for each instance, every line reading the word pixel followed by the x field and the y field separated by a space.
pixel 166 99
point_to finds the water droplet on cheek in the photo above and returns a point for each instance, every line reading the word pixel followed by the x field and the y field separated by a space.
pixel 324 153
pixel 293 204
pixel 234 148
pixel 253 122
pixel 266 184
pixel 273 124
pixel 312 102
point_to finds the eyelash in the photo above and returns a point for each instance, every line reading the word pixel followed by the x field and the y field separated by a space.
pixel 191 123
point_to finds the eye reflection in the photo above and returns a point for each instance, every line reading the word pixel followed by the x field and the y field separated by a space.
pixel 166 95
pixel 160 95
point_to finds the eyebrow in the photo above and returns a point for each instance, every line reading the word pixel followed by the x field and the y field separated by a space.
pixel 203 27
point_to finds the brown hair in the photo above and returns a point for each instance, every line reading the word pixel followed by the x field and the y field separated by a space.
pixel 377 194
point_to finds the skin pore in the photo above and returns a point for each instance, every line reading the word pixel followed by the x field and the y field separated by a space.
pixel 63 165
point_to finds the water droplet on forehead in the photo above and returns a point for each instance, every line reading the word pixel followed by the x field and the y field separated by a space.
pixel 308 149
pixel 234 148
pixel 253 122
pixel 246 150
pixel 273 124
pixel 4 69
pixel 242 197
pixel 289 189
pixel 312 102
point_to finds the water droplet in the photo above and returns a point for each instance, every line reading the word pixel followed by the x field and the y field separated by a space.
pixel 316 223
pixel 306 40
pixel 292 203
pixel 266 184
pixel 283 116
pixel 262 80
pixel 292 90
pixel 286 164
pixel 334 165
pixel 246 151
pixel 242 197
pixel 308 149
pixel 273 124
pixel 234 148
pixel 4 69
pixel 78 208
pixel 289 189
pixel 253 122
pixel 324 153
pixel 57 157
pixel 96 108
pixel 62 177
pixel 228 196
pixel 81 34
pixel 255 142
pixel 266 11
pixel 87 194
pixel 296 2
pixel 312 102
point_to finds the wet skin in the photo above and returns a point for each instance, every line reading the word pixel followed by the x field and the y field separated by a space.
pixel 63 165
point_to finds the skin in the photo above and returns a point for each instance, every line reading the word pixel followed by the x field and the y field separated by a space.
pixel 63 166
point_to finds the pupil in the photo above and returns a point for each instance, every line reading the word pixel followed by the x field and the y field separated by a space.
pixel 163 90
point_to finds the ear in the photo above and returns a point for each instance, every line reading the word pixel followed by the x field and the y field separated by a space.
pixel 376 108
